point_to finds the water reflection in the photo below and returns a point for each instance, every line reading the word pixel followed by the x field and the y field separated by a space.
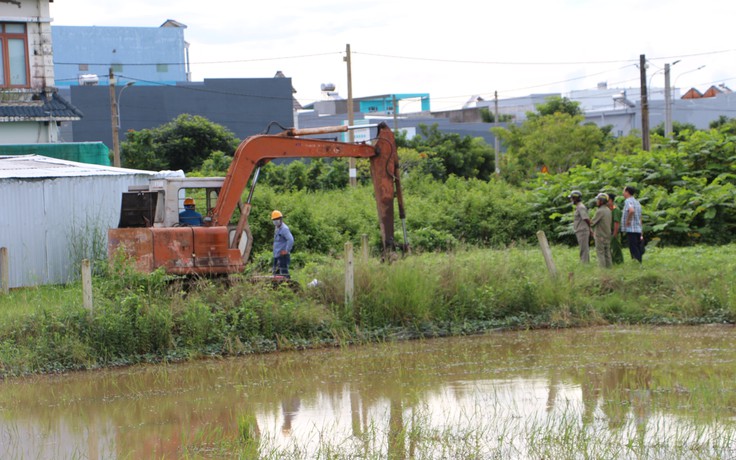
pixel 503 388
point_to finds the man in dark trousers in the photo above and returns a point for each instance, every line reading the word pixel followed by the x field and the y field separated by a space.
pixel 631 222
pixel 617 256
pixel 283 242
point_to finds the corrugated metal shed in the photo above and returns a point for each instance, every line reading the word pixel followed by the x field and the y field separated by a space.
pixel 56 212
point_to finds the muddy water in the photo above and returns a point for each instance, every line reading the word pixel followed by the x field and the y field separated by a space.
pixel 497 394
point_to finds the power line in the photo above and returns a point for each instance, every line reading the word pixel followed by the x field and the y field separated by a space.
pixel 411 58
pixel 235 61
pixel 439 60
pixel 192 87
pixel 458 61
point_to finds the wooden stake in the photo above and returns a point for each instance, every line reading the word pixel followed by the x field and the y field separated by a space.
pixel 547 253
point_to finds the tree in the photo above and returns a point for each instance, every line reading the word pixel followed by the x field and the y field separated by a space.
pixel 724 124
pixel 552 139
pixel 556 104
pixel 184 143
pixel 554 142
pixel 488 117
pixel 216 164
pixel 451 154
pixel 678 129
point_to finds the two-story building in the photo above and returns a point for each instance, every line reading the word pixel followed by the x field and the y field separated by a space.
pixel 31 109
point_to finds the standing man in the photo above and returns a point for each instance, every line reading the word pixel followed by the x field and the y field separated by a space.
pixel 631 222
pixel 617 257
pixel 581 225
pixel 601 225
pixel 283 242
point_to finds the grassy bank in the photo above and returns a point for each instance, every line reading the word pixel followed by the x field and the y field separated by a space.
pixel 140 318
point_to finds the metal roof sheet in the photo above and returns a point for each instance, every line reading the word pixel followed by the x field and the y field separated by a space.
pixel 38 166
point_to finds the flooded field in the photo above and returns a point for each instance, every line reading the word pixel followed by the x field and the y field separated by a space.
pixel 589 393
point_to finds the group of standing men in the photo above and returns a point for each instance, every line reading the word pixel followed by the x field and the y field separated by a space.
pixel 606 225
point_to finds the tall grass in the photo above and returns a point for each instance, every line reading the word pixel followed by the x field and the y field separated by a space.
pixel 156 317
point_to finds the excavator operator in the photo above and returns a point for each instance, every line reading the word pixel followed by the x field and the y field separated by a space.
pixel 189 216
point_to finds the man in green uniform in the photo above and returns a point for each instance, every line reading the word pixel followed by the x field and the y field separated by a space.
pixel 581 225
pixel 617 255
pixel 601 225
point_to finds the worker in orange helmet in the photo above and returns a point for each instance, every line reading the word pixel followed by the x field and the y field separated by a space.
pixel 189 216
pixel 283 242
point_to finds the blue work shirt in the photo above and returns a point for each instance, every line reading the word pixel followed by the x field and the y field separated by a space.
pixel 283 240
pixel 190 217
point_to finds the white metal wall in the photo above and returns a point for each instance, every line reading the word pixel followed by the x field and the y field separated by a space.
pixel 42 219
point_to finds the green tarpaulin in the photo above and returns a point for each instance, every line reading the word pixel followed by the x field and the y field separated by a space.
pixel 95 153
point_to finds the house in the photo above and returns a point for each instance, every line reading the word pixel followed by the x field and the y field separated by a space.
pixel 332 103
pixel 56 213
pixel 31 109
pixel 717 90
pixel 153 78
pixel 692 93
pixel 147 55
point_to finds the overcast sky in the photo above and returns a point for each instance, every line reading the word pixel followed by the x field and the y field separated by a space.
pixel 455 51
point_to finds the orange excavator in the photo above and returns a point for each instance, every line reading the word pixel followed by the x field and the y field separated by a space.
pixel 149 230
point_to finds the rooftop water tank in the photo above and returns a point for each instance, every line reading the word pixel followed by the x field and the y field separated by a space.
pixel 88 79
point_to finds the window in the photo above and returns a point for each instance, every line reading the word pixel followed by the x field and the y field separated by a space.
pixel 162 68
pixel 13 55
pixel 84 67
pixel 117 68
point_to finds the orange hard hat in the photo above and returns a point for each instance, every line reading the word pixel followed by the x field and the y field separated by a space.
pixel 188 201
pixel 276 214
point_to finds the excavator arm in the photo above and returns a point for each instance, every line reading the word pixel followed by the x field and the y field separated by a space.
pixel 255 151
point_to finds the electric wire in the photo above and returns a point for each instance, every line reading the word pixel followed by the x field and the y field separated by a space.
pixel 628 62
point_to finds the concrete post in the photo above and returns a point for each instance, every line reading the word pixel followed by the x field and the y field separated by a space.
pixel 349 274
pixel 547 253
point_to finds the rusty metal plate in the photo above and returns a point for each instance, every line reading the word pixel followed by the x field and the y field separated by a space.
pixel 173 248
pixel 137 244
pixel 211 248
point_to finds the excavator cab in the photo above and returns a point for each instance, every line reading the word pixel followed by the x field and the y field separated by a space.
pixel 151 234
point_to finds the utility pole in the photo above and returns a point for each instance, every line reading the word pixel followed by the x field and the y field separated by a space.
pixel 396 120
pixel 351 120
pixel 644 103
pixel 496 143
pixel 667 103
pixel 114 117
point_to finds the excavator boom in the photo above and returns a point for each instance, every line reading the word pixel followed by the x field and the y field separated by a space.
pixel 214 248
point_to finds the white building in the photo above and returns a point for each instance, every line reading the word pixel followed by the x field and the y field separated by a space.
pixel 31 109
